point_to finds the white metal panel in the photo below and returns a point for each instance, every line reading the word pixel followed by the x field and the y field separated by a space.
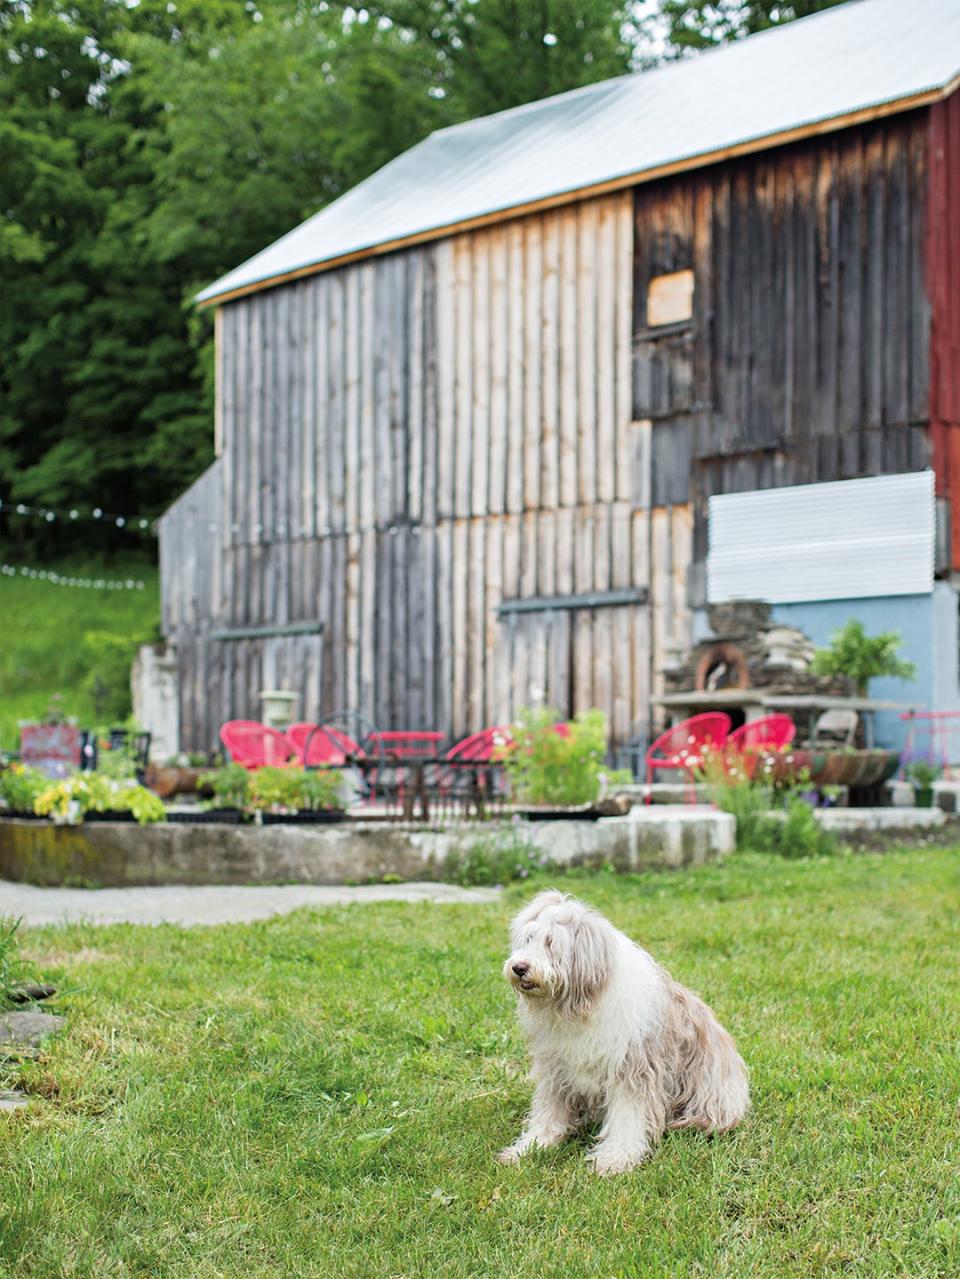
pixel 859 55
pixel 852 539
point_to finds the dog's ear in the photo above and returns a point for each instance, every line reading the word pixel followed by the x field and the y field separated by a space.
pixel 588 964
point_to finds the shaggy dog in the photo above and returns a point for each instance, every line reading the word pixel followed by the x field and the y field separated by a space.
pixel 613 1036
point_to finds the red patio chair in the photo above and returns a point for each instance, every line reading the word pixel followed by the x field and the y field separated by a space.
pixel 327 745
pixel 479 747
pixel 255 745
pixel 773 732
pixel 683 746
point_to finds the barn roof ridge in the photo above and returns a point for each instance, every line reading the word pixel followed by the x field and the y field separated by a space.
pixel 859 60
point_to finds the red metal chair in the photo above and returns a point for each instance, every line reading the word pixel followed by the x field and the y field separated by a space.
pixel 682 748
pixel 255 745
pixel 479 747
pixel 773 732
pixel 327 745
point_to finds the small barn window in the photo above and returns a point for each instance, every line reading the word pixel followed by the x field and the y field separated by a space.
pixel 670 299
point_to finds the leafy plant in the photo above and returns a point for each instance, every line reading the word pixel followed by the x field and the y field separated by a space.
pixel 70 799
pixel 107 659
pixel 20 786
pixel 922 773
pixel 862 657
pixel 230 785
pixel 548 762
pixel 293 790
pixel 499 859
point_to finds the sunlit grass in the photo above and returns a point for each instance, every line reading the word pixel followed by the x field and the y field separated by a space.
pixel 322 1095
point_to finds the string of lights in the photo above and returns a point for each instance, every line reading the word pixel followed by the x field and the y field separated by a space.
pixel 62 579
pixel 139 523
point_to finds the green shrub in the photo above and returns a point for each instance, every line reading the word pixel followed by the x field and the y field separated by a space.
pixel 20 787
pixel 547 767
pixel 498 859
pixel 770 818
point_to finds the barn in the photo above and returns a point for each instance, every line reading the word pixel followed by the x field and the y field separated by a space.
pixel 499 424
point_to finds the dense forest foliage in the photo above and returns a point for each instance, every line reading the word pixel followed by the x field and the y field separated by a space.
pixel 147 146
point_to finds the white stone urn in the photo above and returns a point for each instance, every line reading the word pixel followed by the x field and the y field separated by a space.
pixel 276 707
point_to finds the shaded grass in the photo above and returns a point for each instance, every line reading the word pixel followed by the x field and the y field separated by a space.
pixel 322 1095
pixel 41 635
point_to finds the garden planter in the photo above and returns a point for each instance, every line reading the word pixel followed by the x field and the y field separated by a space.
pixel 304 818
pixel 24 817
pixel 209 817
pixel 923 796
pixel 110 815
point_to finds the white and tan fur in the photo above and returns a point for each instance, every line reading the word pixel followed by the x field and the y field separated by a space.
pixel 613 1037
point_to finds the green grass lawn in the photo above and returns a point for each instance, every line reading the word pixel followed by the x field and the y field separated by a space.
pixel 323 1095
pixel 42 629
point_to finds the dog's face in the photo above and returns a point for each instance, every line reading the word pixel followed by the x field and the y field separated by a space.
pixel 561 952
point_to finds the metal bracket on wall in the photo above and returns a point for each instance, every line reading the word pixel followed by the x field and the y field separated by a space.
pixel 591 599
pixel 269 632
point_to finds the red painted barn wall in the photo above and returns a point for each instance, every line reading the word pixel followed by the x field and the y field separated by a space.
pixel 943 280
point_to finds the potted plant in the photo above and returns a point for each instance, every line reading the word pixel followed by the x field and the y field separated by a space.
pixel 921 774
pixel 295 795
pixel 862 657
pixel 556 765
pixel 230 788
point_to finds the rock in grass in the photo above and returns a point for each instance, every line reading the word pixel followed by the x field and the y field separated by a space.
pixel 32 992
pixel 27 1030
pixel 11 1100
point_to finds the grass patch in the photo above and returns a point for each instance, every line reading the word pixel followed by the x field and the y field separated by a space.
pixel 322 1095
pixel 42 639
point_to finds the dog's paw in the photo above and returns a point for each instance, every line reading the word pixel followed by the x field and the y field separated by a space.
pixel 511 1155
pixel 612 1163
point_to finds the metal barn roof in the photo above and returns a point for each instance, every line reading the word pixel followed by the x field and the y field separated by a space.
pixel 844 540
pixel 862 59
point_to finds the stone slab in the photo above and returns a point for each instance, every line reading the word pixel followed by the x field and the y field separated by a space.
pixel 28 1030
pixel 899 818
pixel 104 854
pixel 11 1100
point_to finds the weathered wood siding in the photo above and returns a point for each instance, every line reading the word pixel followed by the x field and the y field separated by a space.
pixel 410 441
pixel 807 357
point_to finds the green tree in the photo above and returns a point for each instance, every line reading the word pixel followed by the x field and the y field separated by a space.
pixel 701 24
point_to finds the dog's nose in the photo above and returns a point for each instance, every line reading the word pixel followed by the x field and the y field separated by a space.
pixel 521 968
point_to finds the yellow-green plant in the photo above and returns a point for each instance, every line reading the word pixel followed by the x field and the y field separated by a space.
pixel 72 797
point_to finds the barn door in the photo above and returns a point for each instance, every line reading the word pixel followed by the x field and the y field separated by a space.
pixel 575 658
pixel 252 663
pixel 533 663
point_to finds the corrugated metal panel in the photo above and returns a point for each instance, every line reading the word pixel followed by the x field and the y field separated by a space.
pixel 853 539
pixel 860 55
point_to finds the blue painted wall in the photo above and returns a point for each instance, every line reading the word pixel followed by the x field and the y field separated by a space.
pixel 924 643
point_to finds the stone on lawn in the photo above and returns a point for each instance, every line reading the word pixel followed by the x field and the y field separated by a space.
pixel 27 1030
pixel 11 1100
